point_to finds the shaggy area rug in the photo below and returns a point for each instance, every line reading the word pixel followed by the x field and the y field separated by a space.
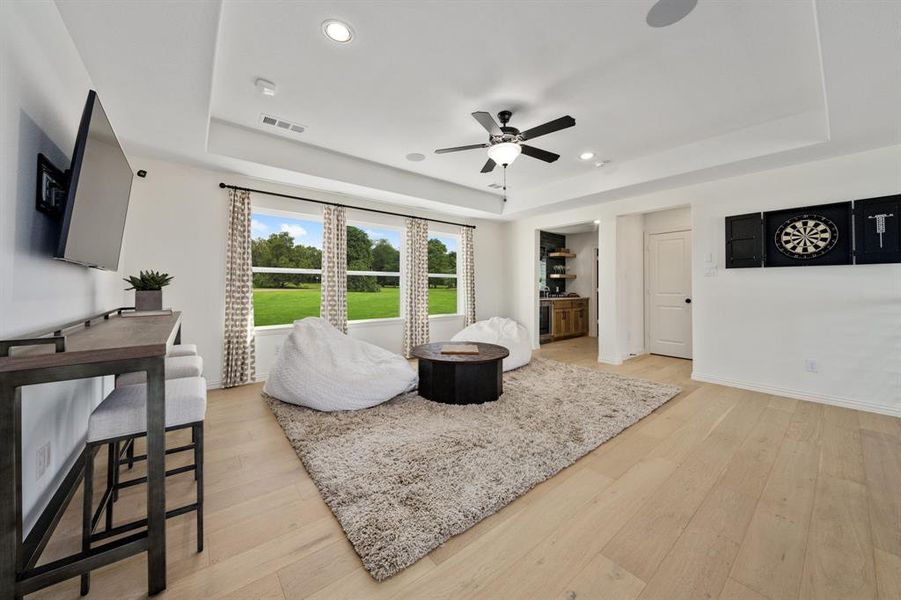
pixel 406 475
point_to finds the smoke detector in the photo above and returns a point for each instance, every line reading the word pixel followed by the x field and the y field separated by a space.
pixel 265 87
pixel 281 125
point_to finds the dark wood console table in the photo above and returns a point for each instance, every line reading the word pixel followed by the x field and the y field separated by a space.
pixel 461 378
pixel 105 344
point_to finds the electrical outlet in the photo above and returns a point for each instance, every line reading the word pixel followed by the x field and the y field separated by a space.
pixel 42 460
pixel 811 366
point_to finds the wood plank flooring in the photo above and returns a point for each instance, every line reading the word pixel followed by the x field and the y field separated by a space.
pixel 720 493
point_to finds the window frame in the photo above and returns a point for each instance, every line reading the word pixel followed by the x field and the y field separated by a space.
pixel 354 220
pixel 296 216
pixel 456 275
pixel 400 274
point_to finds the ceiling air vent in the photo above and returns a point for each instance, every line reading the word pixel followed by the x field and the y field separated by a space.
pixel 495 186
pixel 281 125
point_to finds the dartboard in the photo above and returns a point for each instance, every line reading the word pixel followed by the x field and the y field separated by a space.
pixel 806 236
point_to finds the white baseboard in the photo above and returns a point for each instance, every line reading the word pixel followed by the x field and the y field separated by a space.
pixel 893 411
pixel 610 361
pixel 217 384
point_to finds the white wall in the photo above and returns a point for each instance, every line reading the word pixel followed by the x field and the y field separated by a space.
pixel 177 224
pixel 43 87
pixel 630 284
pixel 582 266
pixel 754 328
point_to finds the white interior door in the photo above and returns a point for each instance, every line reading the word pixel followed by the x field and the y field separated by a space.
pixel 668 286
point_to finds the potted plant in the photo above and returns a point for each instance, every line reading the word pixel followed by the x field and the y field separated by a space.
pixel 148 287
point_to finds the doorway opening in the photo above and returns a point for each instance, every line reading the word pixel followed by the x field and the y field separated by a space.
pixel 567 282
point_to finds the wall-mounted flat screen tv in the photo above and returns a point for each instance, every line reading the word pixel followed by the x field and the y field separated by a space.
pixel 98 192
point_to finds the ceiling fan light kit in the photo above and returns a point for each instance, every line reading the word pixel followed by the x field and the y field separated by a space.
pixel 504 153
pixel 505 143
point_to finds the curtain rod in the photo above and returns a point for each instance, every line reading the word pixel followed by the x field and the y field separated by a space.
pixel 372 210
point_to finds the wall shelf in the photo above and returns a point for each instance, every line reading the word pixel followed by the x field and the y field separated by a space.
pixel 562 276
pixel 561 254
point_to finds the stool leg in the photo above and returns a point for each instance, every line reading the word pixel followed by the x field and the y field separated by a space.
pixel 111 468
pixel 114 497
pixel 87 514
pixel 197 433
pixel 130 454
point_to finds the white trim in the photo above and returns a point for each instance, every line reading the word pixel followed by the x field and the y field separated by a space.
pixel 444 275
pixel 288 270
pixel 357 323
pixel 445 316
pixel 894 411
pixel 297 271
pixel 265 330
pixel 610 361
pixel 375 273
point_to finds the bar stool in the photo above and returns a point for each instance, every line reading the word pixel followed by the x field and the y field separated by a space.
pixel 183 350
pixel 176 367
pixel 122 417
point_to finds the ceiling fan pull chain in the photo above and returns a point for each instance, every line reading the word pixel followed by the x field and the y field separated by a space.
pixel 505 183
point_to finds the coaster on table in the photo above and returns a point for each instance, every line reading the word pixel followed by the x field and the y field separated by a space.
pixel 459 349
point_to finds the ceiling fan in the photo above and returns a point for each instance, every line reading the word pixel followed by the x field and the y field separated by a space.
pixel 506 143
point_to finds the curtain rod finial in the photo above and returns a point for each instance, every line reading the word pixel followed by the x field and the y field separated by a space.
pixel 221 185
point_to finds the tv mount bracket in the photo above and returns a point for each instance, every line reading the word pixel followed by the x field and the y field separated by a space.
pixel 52 186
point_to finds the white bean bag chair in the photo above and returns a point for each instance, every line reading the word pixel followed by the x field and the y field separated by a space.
pixel 502 332
pixel 321 368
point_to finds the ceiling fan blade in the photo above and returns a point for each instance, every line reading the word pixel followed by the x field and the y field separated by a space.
pixel 549 127
pixel 489 166
pixel 487 121
pixel 458 148
pixel 539 153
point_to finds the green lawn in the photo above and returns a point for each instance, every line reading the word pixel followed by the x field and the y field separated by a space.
pixel 278 307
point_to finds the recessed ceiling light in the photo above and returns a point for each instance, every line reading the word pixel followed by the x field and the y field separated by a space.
pixel 337 31
pixel 597 221
pixel 416 157
pixel 586 155
pixel 265 87
pixel 669 12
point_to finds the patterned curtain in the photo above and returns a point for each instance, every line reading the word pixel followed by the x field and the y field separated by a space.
pixel 468 276
pixel 333 304
pixel 416 292
pixel 239 362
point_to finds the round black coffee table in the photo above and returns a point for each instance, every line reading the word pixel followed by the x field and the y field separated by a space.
pixel 461 378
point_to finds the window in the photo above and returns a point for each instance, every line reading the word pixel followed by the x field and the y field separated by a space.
pixel 287 269
pixel 443 274
pixel 286 253
pixel 373 272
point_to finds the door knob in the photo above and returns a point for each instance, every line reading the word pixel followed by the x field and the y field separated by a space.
pixel 688 301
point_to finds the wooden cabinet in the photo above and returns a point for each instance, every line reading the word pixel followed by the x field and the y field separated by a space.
pixel 569 318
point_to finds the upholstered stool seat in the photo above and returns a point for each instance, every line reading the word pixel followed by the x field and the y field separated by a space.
pixel 177 367
pixel 121 419
pixel 182 350
pixel 124 411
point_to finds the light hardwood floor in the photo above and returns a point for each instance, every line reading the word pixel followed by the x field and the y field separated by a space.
pixel 720 493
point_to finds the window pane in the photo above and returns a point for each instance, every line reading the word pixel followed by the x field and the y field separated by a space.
pixel 442 253
pixel 370 297
pixel 442 297
pixel 297 298
pixel 285 242
pixel 383 246
pixel 443 259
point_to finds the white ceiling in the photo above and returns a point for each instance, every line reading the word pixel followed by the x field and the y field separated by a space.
pixel 735 85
